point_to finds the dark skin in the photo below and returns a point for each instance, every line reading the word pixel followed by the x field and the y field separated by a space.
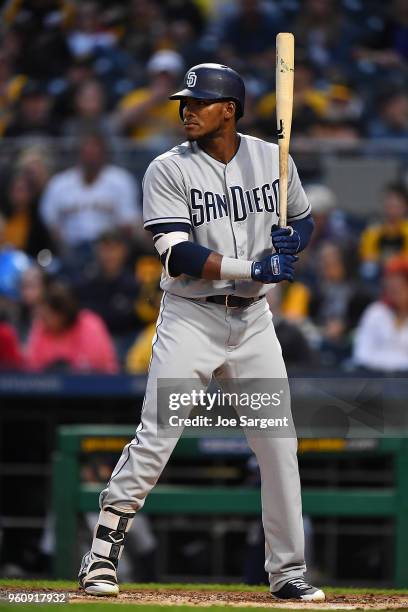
pixel 212 125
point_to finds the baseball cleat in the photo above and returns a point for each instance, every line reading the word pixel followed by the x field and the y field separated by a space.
pixel 97 576
pixel 297 588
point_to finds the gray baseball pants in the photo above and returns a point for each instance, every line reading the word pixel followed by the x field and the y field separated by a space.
pixel 196 339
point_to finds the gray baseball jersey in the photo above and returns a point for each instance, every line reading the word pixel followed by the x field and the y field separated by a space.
pixel 230 208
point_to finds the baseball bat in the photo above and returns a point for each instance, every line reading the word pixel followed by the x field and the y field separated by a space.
pixel 285 67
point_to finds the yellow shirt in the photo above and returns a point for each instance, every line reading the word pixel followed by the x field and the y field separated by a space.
pixel 159 119
pixel 138 357
pixel 378 242
pixel 8 97
pixel 16 230
pixel 316 100
pixel 295 304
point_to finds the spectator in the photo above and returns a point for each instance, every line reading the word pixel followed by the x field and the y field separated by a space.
pixel 89 112
pixel 326 36
pixel 41 38
pixel 148 272
pixel 11 356
pixel 392 118
pixel 34 164
pixel 248 36
pixel 331 225
pixel 184 14
pixel 308 103
pixel 32 288
pixel 34 115
pixel 108 287
pixel 23 228
pixel 80 71
pixel 185 24
pixel 64 337
pixel 10 90
pixel 12 265
pixel 84 201
pixel 295 347
pixel 18 219
pixel 146 30
pixel 330 300
pixel 386 45
pixel 88 36
pixel 146 114
pixel 381 339
pixel 389 237
pixel 333 303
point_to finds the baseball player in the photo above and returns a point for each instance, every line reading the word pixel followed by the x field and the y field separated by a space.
pixel 210 204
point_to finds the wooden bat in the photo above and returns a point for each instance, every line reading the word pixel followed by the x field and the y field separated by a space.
pixel 285 67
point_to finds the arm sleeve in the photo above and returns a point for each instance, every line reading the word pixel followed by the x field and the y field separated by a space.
pixel 298 205
pixel 304 228
pixel 188 258
pixel 164 195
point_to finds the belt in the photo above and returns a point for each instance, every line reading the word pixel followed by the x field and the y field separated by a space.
pixel 233 301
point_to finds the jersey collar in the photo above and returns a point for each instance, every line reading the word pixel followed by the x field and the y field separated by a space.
pixel 200 151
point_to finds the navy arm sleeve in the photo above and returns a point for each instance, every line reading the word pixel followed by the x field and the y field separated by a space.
pixel 186 257
pixel 304 228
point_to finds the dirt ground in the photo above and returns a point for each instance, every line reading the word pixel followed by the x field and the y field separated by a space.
pixel 245 598
pixel 171 597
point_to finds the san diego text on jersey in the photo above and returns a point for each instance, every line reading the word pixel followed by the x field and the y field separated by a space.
pixel 208 206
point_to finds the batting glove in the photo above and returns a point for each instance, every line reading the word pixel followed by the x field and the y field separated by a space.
pixel 274 268
pixel 285 240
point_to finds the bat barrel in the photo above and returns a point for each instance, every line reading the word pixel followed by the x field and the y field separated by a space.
pixel 285 66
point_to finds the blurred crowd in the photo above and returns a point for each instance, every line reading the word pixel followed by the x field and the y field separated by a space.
pixel 81 82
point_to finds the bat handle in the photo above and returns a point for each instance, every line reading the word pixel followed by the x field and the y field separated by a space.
pixel 283 186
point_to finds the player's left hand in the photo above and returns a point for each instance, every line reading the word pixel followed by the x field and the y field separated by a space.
pixel 285 240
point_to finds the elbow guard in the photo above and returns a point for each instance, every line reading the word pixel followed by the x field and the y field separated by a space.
pixel 180 256
pixel 164 244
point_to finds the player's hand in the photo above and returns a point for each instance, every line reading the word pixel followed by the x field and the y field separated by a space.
pixel 274 268
pixel 285 240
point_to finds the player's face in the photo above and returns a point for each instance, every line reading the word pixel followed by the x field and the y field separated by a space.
pixel 203 118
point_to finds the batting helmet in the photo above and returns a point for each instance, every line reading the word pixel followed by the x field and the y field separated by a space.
pixel 212 82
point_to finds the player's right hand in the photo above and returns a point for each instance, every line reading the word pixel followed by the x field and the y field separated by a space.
pixel 274 268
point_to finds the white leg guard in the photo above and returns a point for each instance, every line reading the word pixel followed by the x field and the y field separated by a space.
pixel 110 533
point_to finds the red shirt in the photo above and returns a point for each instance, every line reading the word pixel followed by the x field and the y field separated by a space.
pixel 11 357
pixel 86 346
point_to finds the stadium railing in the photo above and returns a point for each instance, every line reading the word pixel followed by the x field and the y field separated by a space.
pixel 71 497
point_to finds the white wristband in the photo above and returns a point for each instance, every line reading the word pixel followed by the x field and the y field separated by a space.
pixel 235 269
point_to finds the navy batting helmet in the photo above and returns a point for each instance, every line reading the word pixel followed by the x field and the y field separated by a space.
pixel 212 82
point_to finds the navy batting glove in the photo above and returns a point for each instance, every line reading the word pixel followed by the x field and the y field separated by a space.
pixel 285 240
pixel 274 268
